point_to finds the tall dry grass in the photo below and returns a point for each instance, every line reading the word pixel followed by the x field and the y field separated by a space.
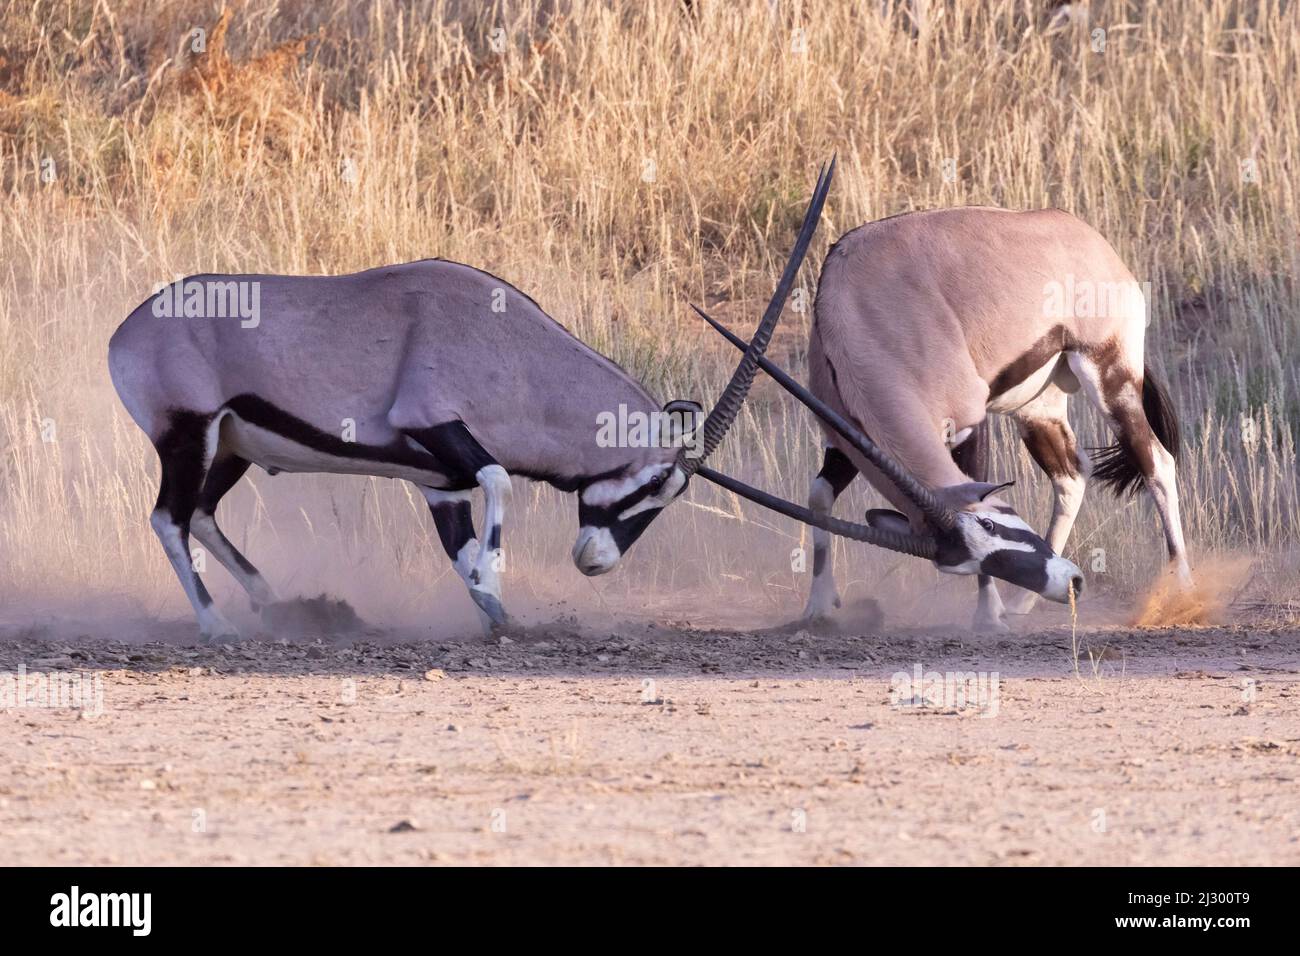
pixel 617 161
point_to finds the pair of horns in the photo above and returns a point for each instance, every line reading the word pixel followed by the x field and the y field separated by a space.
pixel 724 414
pixel 733 396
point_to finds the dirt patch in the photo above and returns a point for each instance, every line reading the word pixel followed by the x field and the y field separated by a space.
pixel 309 618
pixel 1215 585
pixel 662 744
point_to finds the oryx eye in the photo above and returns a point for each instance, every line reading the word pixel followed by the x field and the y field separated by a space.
pixel 656 483
pixel 986 524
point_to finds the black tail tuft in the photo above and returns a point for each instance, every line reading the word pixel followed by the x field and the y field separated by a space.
pixel 1114 466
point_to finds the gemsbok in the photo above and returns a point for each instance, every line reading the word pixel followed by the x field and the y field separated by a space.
pixel 432 372
pixel 926 322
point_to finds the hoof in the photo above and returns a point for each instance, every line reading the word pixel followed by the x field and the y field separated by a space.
pixel 861 617
pixel 989 625
pixel 223 633
pixel 819 610
pixel 491 606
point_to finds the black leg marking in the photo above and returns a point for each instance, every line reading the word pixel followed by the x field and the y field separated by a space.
pixel 456 450
pixel 181 451
pixel 222 476
pixel 838 470
pixel 455 525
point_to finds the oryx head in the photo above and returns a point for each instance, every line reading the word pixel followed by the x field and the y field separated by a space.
pixel 986 536
pixel 613 510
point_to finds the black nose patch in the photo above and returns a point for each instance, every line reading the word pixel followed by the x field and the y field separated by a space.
pixel 1027 569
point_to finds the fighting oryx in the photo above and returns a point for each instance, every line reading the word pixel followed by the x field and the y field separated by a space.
pixel 926 322
pixel 432 372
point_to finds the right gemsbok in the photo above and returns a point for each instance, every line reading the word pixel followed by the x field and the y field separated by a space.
pixel 928 321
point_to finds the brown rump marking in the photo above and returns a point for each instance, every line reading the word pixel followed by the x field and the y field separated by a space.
pixel 1135 435
pixel 1059 339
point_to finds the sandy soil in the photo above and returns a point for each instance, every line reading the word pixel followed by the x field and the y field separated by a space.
pixel 659 745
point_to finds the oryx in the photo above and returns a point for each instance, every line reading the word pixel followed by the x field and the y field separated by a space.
pixel 926 322
pixel 432 372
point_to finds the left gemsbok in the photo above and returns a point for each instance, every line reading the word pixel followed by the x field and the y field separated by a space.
pixel 432 372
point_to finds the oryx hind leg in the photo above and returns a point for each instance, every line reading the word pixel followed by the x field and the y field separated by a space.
pixel 1134 406
pixel 223 474
pixel 836 474
pixel 466 461
pixel 972 457
pixel 1044 427
pixel 185 451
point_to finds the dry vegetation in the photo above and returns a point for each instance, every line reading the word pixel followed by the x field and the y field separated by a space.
pixel 617 161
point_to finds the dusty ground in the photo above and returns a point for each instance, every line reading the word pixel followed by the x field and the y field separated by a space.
pixel 658 745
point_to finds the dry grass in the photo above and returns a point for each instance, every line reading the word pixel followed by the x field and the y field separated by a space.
pixel 617 161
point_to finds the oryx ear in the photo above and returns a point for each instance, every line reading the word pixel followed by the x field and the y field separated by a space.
pixel 882 519
pixel 972 491
pixel 679 422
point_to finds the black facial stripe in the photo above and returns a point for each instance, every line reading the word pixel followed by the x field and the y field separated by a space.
pixel 1028 570
pixel 605 516
pixel 1020 536
pixel 626 532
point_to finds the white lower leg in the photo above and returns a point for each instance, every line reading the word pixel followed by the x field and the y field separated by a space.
pixel 211 621
pixel 496 489
pixel 822 597
pixel 1164 493
pixel 989 609
pixel 487 583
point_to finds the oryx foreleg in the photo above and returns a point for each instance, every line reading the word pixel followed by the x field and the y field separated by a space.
pixel 972 457
pixel 479 564
pixel 836 474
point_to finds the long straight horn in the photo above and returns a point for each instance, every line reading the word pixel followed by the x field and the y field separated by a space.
pixel 902 479
pixel 724 412
pixel 901 541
